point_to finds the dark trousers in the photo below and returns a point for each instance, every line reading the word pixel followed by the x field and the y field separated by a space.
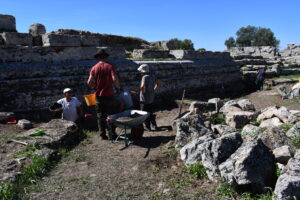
pixel 151 119
pixel 104 107
pixel 259 84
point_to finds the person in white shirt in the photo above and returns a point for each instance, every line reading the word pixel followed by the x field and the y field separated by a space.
pixel 71 106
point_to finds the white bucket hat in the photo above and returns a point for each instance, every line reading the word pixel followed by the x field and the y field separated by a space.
pixel 67 90
pixel 144 68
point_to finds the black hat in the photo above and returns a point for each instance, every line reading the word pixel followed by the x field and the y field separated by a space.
pixel 101 54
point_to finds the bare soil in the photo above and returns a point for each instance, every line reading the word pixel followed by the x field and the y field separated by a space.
pixel 148 169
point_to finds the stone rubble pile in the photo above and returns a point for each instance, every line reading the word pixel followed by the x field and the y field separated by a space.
pixel 247 151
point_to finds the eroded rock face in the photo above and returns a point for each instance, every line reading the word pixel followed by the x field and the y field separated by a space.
pixel 37 29
pixel 252 166
pixel 191 152
pixel 188 129
pixel 217 151
pixel 11 168
pixel 288 184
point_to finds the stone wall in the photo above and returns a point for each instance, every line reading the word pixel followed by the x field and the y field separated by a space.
pixel 263 51
pixel 35 85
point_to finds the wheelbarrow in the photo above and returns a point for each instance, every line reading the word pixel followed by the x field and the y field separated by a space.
pixel 124 125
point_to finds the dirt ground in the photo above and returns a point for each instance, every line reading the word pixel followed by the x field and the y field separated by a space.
pixel 147 169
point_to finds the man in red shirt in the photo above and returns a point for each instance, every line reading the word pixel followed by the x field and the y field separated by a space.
pixel 102 77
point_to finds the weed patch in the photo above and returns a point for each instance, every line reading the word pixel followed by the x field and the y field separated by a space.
pixel 295 140
pixel 196 170
pixel 219 119
pixel 285 127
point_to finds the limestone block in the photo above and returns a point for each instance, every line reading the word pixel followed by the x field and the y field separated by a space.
pixel 263 51
pixel 89 41
pixel 19 39
pixel 24 124
pixel 267 113
pixel 37 29
pixel 149 53
pixel 223 129
pixel 165 45
pixel 7 23
pixel 202 106
pixel 252 165
pixel 250 132
pixel 6 115
pixel 217 151
pixel 288 184
pixel 275 121
pixel 274 138
pixel 239 119
pixel 282 154
pixel 246 105
pixel 191 152
pixel 55 40
pixel 190 54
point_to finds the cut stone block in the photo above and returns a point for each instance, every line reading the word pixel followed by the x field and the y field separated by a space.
pixel 54 40
pixel 17 39
pixel 7 23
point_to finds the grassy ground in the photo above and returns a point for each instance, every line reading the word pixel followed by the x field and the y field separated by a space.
pixel 149 169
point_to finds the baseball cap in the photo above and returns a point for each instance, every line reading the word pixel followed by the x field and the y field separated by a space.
pixel 143 68
pixel 67 90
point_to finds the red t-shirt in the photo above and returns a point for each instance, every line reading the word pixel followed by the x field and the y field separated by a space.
pixel 102 72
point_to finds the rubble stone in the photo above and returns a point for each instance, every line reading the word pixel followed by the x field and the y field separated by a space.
pixel 223 129
pixel 270 123
pixel 288 184
pixel 251 166
pixel 24 124
pixel 217 151
pixel 54 40
pixel 282 154
pixel 191 152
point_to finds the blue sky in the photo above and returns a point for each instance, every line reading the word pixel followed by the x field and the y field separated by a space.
pixel 208 23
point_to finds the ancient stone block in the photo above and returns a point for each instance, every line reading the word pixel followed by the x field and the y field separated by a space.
pixel 149 53
pixel 54 40
pixel 89 41
pixel 190 54
pixel 16 39
pixel 263 51
pixel 252 166
pixel 7 23
pixel 37 29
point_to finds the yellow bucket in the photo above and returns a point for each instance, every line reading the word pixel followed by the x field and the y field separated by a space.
pixel 299 79
pixel 90 99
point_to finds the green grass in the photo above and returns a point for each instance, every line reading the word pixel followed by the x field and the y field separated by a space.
pixel 285 127
pixel 38 167
pixel 219 119
pixel 295 140
pixel 255 122
pixel 28 151
pixel 287 76
pixel 197 170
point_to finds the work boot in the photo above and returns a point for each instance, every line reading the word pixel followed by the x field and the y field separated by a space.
pixel 103 136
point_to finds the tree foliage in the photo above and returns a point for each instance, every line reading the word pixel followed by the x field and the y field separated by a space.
pixel 185 44
pixel 252 36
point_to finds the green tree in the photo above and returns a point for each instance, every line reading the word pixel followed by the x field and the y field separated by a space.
pixel 230 42
pixel 185 44
pixel 253 36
